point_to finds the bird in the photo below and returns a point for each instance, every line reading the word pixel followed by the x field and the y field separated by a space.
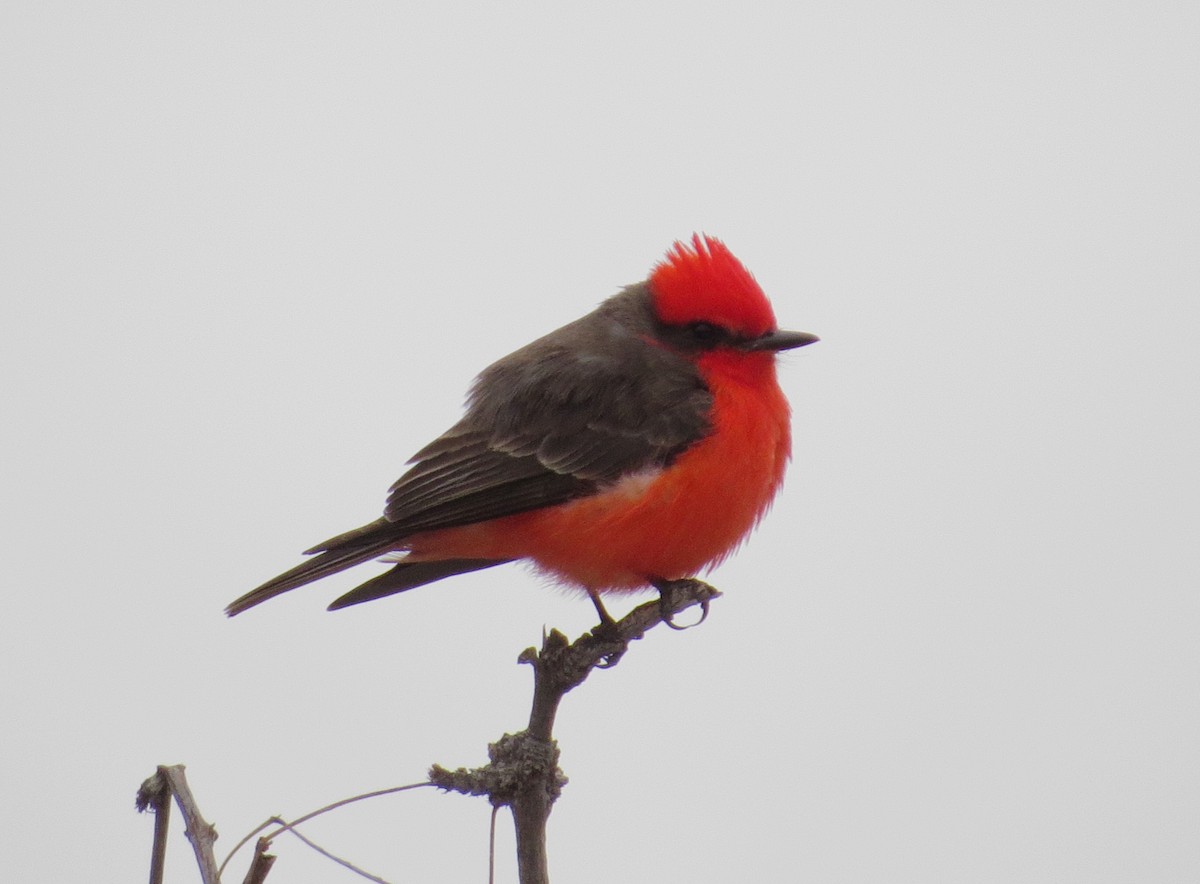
pixel 633 447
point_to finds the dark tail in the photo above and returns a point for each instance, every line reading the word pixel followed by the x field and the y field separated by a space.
pixel 407 575
pixel 354 548
pixel 314 569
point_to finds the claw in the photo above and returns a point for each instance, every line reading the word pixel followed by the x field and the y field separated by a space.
pixel 664 588
pixel 669 619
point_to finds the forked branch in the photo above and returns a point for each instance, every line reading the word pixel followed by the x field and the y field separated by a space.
pixel 156 793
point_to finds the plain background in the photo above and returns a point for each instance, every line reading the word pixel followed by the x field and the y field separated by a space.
pixel 254 253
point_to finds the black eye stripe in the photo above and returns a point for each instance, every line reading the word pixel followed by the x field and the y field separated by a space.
pixel 707 333
pixel 699 336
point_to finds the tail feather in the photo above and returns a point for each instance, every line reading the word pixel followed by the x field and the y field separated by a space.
pixel 367 534
pixel 328 562
pixel 408 575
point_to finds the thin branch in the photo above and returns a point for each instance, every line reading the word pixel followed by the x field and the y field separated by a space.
pixel 261 864
pixel 246 839
pixel 156 797
pixel 344 801
pixel 285 826
pixel 492 846
pixel 169 780
pixel 202 834
pixel 344 863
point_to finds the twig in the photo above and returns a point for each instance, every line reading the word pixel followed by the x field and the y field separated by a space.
pixel 522 771
pixel 492 846
pixel 169 781
pixel 273 821
pixel 155 796
pixel 343 802
pixel 285 826
pixel 261 864
pixel 344 863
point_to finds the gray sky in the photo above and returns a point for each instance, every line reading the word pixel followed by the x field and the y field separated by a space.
pixel 254 253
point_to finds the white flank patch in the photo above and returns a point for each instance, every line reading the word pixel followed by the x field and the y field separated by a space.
pixel 635 484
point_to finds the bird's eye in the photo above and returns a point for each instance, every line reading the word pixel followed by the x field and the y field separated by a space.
pixel 705 332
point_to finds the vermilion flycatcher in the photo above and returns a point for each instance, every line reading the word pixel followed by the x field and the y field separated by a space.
pixel 637 445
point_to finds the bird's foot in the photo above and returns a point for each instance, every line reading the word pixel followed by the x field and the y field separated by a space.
pixel 666 589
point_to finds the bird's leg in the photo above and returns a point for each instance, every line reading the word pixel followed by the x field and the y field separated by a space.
pixel 665 588
pixel 606 619
pixel 607 631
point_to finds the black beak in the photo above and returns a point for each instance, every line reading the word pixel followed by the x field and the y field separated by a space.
pixel 781 340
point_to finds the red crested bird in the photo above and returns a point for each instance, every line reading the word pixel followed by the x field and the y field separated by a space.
pixel 637 445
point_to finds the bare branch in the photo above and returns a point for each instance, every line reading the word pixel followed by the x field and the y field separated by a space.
pixel 344 863
pixel 522 771
pixel 261 864
pixel 154 795
pixel 156 791
pixel 285 826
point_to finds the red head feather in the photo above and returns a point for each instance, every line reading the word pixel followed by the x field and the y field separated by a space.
pixel 704 282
